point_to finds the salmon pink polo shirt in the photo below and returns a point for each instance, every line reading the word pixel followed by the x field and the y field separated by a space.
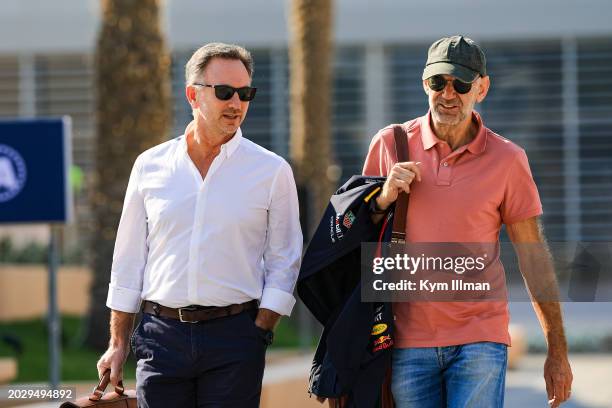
pixel 464 196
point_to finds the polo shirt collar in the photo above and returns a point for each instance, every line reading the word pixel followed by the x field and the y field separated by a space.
pixel 427 135
pixel 479 143
pixel 430 139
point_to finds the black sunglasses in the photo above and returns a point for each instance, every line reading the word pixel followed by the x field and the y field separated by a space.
pixel 225 92
pixel 438 83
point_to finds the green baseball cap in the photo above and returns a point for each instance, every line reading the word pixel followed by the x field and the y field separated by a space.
pixel 458 56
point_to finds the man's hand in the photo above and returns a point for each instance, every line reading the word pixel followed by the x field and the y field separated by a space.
pixel 537 269
pixel 399 179
pixel 334 402
pixel 267 319
pixel 558 377
pixel 113 358
pixel 121 324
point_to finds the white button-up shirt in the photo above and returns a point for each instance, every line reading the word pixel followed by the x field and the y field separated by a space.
pixel 229 238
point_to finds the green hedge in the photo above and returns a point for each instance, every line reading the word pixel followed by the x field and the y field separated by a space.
pixel 35 253
pixel 78 361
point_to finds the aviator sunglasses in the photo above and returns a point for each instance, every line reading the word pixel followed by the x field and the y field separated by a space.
pixel 225 92
pixel 437 83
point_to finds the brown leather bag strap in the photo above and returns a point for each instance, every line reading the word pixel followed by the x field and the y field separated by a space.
pixel 398 235
pixel 98 392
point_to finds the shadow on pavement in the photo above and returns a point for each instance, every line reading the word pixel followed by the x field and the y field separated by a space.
pixel 525 397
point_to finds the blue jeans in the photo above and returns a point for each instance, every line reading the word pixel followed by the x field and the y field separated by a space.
pixel 466 376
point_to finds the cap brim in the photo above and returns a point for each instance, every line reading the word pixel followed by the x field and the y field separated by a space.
pixel 446 68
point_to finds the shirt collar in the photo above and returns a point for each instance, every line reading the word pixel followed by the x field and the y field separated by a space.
pixel 430 139
pixel 228 148
pixel 231 145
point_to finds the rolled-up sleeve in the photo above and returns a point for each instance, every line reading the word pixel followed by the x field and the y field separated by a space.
pixel 130 254
pixel 284 241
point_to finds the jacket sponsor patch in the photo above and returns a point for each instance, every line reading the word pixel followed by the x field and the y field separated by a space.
pixel 348 220
pixel 379 329
pixel 382 343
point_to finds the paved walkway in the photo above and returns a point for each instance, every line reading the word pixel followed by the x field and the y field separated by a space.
pixel 524 387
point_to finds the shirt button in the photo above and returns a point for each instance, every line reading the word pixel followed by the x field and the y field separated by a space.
pixel 445 164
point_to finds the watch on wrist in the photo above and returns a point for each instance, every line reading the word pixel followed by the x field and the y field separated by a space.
pixel 374 207
pixel 266 335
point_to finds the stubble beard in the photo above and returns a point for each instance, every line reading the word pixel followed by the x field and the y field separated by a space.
pixel 227 129
pixel 448 119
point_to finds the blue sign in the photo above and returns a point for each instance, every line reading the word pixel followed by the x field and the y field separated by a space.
pixel 35 157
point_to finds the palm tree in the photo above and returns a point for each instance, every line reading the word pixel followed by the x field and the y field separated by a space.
pixel 133 114
pixel 310 56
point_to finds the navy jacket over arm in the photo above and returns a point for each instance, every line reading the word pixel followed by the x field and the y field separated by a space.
pixel 354 350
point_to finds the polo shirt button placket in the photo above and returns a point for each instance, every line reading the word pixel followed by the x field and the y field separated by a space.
pixel 444 175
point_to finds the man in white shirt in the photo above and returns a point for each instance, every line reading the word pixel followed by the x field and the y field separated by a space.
pixel 209 244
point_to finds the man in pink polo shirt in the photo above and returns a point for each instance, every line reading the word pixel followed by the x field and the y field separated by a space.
pixel 464 182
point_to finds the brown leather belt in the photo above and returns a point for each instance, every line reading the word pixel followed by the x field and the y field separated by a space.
pixel 195 314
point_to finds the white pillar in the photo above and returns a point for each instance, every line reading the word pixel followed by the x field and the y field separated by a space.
pixel 279 85
pixel 571 139
pixel 27 85
pixel 376 90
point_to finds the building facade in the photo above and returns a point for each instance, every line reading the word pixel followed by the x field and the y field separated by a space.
pixel 550 65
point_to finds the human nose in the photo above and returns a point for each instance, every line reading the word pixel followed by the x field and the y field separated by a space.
pixel 234 101
pixel 449 90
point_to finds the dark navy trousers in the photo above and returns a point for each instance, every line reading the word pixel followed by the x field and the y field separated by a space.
pixel 213 364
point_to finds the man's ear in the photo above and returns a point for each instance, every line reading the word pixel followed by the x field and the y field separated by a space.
pixel 483 89
pixel 190 94
pixel 425 87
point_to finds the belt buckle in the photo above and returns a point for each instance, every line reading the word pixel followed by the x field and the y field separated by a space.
pixel 188 309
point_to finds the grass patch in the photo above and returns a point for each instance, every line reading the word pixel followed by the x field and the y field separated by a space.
pixel 78 361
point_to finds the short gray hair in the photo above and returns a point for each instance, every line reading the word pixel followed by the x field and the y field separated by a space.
pixel 202 57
